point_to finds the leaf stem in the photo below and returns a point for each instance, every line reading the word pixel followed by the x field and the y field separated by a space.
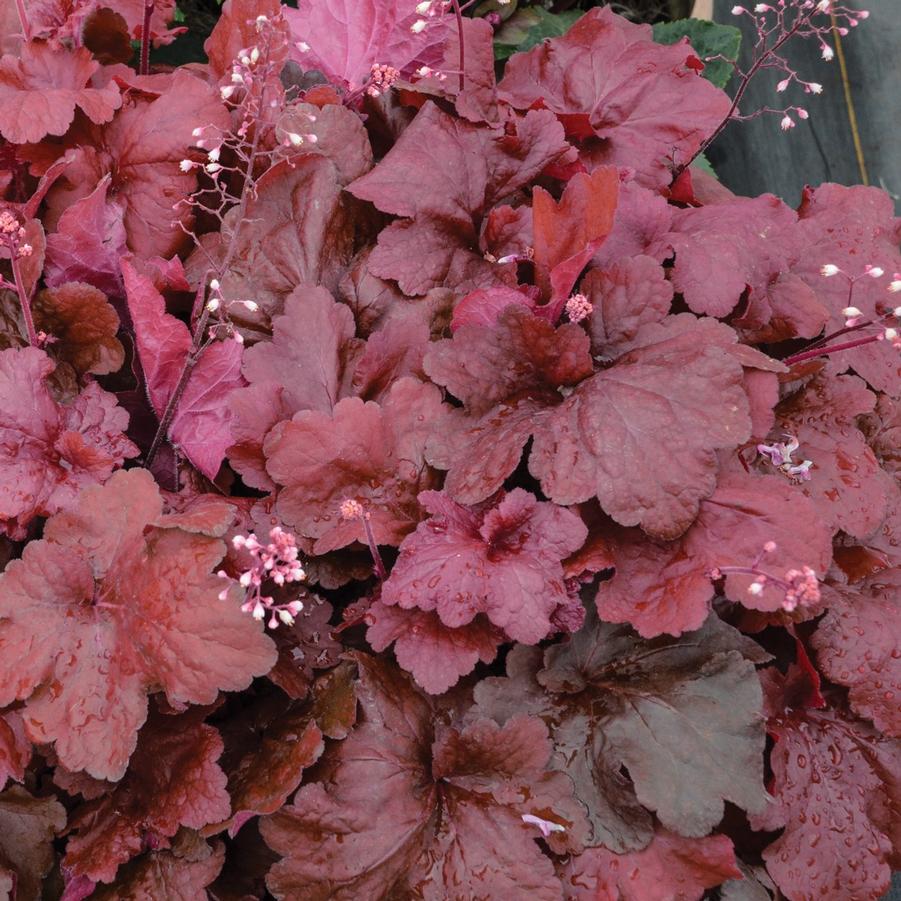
pixel 24 300
pixel 459 14
pixel 824 351
pixel 23 19
pixel 144 65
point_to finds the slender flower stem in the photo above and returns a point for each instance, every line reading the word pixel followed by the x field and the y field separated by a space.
pixel 23 19
pixel 24 301
pixel 198 346
pixel 824 351
pixel 378 564
pixel 144 67
pixel 459 14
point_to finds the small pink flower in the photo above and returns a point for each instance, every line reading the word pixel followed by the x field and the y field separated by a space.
pixel 351 509
pixel 787 122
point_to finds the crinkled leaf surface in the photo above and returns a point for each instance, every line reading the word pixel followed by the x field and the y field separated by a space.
pixel 173 780
pixel 835 788
pixel 106 608
pixel 502 559
pixel 856 644
pixel 506 375
pixel 640 436
pixel 50 451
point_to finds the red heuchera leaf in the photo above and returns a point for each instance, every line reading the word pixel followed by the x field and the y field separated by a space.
pixel 501 559
pixel 48 451
pixel 606 79
pixel 681 715
pixel 373 453
pixel 661 587
pixel 419 180
pixel 303 234
pixel 641 435
pixel 345 39
pixel 725 248
pixel 406 806
pixel 173 780
pixel 262 781
pixel 484 306
pixel 851 227
pixel 436 655
pixel 567 234
pixel 658 587
pixel 103 610
pixel 306 366
pixel 164 874
pixel 84 325
pixel 141 150
pixel 641 226
pixel 28 826
pixel 848 487
pixel 201 426
pixel 506 376
pixel 834 788
pixel 40 90
pixel 15 748
pixel 626 295
pixel 856 644
pixel 670 867
pixel 88 243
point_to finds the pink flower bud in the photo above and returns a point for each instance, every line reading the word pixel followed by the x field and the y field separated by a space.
pixel 783 85
pixel 874 271
pixel 787 122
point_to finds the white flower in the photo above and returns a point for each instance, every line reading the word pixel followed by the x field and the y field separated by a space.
pixel 829 269
pixel 295 139
pixel 827 52
pixel 851 312
pixel 214 155
pixel 422 9
pixel 783 85
pixel 823 6
pixel 212 168
pixel 254 55
pixel 787 122
pixel 212 306
pixel 198 132
pixel 186 165
pixel 890 334
pixel 419 26
pixel 286 617
pixel 875 271
pixel 251 305
pixel 226 92
pixel 214 284
pixel 895 285
pixel 303 46
pixel 755 588
pixel 815 87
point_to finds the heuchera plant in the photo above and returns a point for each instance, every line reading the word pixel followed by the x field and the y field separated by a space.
pixel 419 480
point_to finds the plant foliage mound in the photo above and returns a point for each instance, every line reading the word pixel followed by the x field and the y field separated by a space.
pixel 417 480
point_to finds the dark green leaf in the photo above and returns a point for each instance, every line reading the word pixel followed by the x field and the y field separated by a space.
pixel 709 40
pixel 530 26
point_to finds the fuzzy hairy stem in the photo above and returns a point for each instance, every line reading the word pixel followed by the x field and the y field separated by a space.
pixel 144 66
pixel 24 301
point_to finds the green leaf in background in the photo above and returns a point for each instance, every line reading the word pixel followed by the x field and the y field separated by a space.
pixel 701 162
pixel 708 39
pixel 530 26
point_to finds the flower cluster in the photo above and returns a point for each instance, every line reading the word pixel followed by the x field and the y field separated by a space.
pixel 12 236
pixel 276 562
pixel 380 79
pixel 578 307
pixel 800 587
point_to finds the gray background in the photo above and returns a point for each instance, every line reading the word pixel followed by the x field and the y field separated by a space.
pixel 755 157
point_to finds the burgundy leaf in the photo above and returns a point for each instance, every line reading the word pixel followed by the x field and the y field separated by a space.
pixel 405 806
pixel 606 79
pixel 856 644
pixel 834 786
